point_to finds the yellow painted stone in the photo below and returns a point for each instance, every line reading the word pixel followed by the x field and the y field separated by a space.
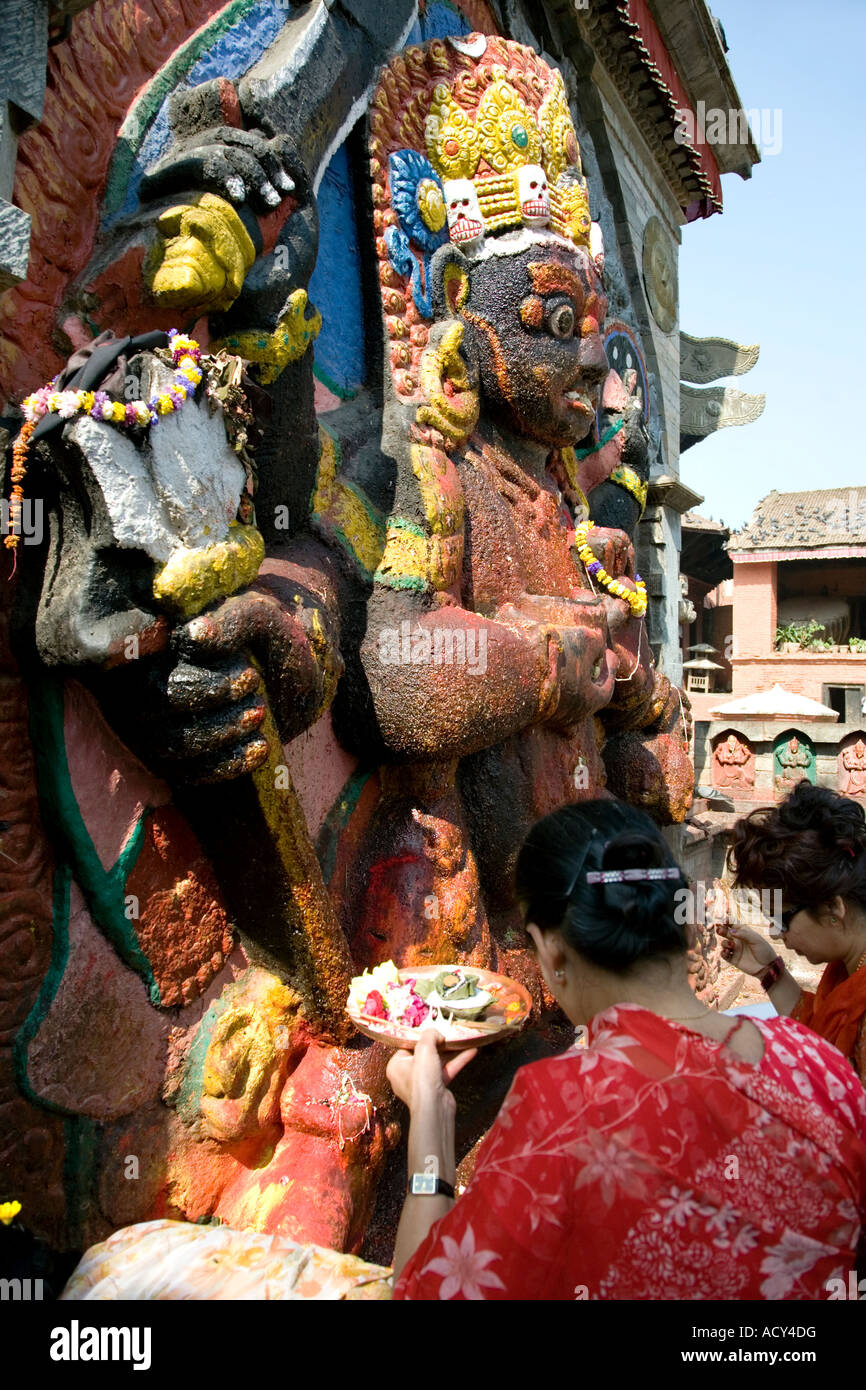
pixel 202 257
pixel 191 579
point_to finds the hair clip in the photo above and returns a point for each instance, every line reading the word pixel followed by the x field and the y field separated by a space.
pixel 630 875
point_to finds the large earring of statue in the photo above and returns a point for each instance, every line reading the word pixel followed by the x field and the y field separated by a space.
pixel 449 272
pixel 451 409
pixel 559 974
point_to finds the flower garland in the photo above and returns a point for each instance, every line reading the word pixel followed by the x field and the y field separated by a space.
pixel 186 356
pixel 16 497
pixel 635 598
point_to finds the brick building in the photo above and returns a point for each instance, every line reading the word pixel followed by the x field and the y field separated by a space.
pixel 797 654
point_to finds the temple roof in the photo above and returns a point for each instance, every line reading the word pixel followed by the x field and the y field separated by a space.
pixel 703 555
pixel 695 522
pixel 797 520
pixel 666 58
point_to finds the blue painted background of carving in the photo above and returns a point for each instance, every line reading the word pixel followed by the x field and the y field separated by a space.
pixel 230 56
pixel 335 287
pixel 438 20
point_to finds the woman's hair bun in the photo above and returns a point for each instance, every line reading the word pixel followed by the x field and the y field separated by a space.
pixel 615 925
pixel 812 846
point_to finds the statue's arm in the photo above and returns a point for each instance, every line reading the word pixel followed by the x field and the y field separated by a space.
pixel 515 673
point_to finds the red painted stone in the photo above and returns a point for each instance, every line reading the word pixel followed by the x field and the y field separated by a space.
pixel 183 926
pixel 100 1050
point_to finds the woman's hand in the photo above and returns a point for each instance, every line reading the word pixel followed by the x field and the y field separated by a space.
pixel 422 1077
pixel 742 947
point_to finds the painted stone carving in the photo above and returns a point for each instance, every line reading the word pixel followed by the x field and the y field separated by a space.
pixel 331 757
pixel 660 275
pixel 793 761
pixel 733 763
pixel 852 766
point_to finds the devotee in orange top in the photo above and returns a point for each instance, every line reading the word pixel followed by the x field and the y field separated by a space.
pixel 678 1156
pixel 811 847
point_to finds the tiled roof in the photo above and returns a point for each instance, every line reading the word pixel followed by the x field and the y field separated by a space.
pixel 832 517
pixel 693 521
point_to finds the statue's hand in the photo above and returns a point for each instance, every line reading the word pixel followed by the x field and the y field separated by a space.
pixel 587 674
pixel 614 549
pixel 582 665
pixel 292 643
pixel 242 166
pixel 196 714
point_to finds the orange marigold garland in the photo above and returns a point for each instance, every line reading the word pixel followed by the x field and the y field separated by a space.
pixel 16 497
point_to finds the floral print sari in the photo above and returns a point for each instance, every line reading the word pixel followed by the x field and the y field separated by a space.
pixel 657 1164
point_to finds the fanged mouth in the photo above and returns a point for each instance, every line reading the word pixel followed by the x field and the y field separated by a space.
pixel 464 230
pixel 576 400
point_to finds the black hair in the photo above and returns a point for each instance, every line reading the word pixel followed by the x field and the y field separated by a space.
pixel 614 925
pixel 812 846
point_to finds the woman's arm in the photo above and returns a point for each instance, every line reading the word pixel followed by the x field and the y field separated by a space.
pixel 751 952
pixel 421 1080
pixel 512 1233
pixel 859 1062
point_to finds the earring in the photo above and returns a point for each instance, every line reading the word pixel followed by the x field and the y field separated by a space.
pixel 559 974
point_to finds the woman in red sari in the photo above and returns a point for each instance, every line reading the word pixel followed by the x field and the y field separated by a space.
pixel 811 847
pixel 677 1156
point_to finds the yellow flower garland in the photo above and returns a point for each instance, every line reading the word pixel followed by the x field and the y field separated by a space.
pixel 634 597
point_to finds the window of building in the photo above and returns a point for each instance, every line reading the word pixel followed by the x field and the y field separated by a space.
pixel 846 700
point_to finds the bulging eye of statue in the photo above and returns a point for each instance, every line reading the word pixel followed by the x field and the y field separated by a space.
pixel 561 320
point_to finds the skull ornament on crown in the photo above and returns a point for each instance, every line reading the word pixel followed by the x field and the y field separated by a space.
pixel 471 142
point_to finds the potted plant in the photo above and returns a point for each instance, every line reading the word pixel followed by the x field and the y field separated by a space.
pixel 794 637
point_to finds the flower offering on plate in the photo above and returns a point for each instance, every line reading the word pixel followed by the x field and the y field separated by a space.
pixel 467 1006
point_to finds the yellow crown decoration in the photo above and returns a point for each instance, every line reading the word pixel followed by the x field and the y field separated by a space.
pixel 451 137
pixel 513 143
pixel 569 211
pixel 561 150
pixel 509 135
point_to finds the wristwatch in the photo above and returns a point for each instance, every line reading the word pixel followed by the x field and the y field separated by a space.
pixel 426 1185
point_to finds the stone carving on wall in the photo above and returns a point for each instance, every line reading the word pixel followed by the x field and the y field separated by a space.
pixel 660 274
pixel 703 360
pixel 851 776
pixel 733 763
pixel 705 410
pixel 793 761
pixel 300 686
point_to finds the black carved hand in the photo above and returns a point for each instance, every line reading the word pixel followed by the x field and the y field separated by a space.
pixel 242 166
pixel 195 713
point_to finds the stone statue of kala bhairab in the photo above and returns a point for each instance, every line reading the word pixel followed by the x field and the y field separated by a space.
pixel 268 754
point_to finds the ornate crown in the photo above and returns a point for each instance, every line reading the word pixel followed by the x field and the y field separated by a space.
pixel 507 164
pixel 469 138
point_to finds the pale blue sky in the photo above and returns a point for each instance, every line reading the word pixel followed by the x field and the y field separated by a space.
pixel 783 265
